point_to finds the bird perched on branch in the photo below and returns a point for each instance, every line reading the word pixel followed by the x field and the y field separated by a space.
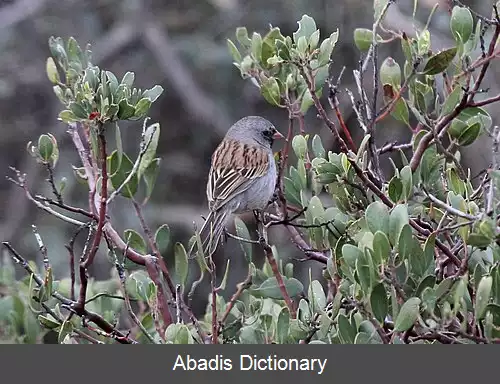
pixel 242 176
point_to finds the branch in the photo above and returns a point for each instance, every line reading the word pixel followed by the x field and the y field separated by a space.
pixel 72 305
pixel 449 208
pixel 274 266
pixel 21 182
pixel 103 196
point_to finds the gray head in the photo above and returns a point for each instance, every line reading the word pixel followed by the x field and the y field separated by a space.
pixel 254 130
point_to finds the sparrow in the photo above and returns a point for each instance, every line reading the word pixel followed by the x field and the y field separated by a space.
pixel 242 176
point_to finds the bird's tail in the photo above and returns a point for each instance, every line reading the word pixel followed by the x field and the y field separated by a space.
pixel 211 232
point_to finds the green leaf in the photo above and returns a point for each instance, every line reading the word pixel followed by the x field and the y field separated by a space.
pixel 142 107
pixel 314 40
pixel 381 248
pixel 283 325
pixel 363 38
pixel 271 91
pixel 125 110
pixel 128 79
pixel 257 46
pixel 270 288
pixel 377 217
pixel 444 288
pixel 307 102
pixel 52 72
pixel 469 135
pixel 73 50
pixel 134 241
pixel 299 145
pixel 48 321
pixel 395 189
pixel 150 175
pixel 317 147
pixel 242 231
pixel 307 26
pixel 390 73
pixel 397 219
pixel 162 237
pixel 478 240
pixel 45 147
pixel 407 180
pixel 405 242
pixel 400 111
pixel 364 269
pixel 269 45
pixel 347 333
pixel 153 94
pixel 428 254
pixel 350 254
pixel 119 145
pixel 242 37
pixel 78 111
pixel 235 54
pixel 482 296
pixel 439 62
pixel 148 147
pixel 178 334
pixel 379 302
pixel 317 297
pixel 408 314
pixel 224 278
pixel 451 101
pixel 65 330
pixel 326 48
pixel 181 262
pixel 251 335
pixel 461 23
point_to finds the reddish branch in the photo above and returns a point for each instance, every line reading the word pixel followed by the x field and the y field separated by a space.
pixel 279 278
pixel 152 269
pixel 317 103
pixel 103 197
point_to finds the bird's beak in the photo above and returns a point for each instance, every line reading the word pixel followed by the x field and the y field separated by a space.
pixel 277 135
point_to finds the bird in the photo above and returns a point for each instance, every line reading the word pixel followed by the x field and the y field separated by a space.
pixel 242 177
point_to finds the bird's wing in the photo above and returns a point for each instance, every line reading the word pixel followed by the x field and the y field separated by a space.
pixel 234 166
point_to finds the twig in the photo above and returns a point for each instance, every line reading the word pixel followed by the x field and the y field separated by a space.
pixel 245 284
pixel 121 275
pixel 91 316
pixel 152 268
pixel 235 237
pixel 70 248
pixel 66 207
pixel 449 208
pixel 154 247
pixel 42 248
pixel 317 103
pixel 334 104
pixel 215 326
pixel 143 148
pixel 52 183
pixel 178 301
pixel 21 182
pixel 394 146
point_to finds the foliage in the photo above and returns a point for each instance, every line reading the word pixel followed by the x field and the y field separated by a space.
pixel 412 258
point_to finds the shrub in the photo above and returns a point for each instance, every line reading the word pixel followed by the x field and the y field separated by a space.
pixel 413 258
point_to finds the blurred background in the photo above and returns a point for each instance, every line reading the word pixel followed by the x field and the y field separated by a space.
pixel 180 45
